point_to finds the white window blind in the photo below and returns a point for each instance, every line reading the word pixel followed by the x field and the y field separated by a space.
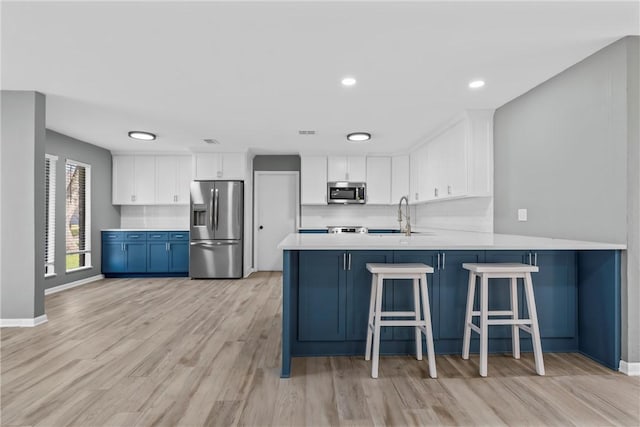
pixel 50 214
pixel 78 215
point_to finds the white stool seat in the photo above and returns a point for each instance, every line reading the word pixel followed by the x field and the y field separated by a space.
pixel 412 268
pixel 420 319
pixel 513 271
pixel 507 267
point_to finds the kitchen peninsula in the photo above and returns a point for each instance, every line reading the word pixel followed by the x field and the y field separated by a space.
pixel 326 292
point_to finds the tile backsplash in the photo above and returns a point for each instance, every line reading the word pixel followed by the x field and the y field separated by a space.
pixel 155 217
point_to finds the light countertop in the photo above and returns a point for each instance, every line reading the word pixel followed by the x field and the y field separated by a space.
pixel 436 240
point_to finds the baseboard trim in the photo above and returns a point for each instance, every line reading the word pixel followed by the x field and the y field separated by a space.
pixel 74 284
pixel 632 369
pixel 23 323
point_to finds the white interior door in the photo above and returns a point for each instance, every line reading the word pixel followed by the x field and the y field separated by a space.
pixel 276 215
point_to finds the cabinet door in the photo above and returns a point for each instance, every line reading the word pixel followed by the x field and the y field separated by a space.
pixel 136 255
pixel 157 257
pixel 321 296
pixel 378 180
pixel 454 153
pixel 399 178
pixel 178 257
pixel 183 179
pixel 123 189
pixel 356 168
pixel 313 180
pixel 555 290
pixel 453 281
pixel 233 166
pixel 426 168
pixel 337 168
pixel 113 257
pixel 144 177
pixel 166 177
pixel 207 166
pixel 432 168
pixel 402 292
pixel 414 171
pixel 359 292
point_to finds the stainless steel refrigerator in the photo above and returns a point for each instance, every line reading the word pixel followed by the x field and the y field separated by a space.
pixel 216 247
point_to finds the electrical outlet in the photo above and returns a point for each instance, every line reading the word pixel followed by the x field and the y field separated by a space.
pixel 522 214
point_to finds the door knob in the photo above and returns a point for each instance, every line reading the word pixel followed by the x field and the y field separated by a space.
pixel 261 227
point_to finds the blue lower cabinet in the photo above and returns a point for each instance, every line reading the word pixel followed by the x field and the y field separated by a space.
pixel 145 253
pixel 158 257
pixel 113 257
pixel 179 257
pixel 322 296
pixel 359 292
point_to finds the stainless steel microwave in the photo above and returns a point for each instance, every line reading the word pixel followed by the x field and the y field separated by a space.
pixel 346 193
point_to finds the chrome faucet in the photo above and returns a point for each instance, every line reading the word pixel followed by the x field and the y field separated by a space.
pixel 407 229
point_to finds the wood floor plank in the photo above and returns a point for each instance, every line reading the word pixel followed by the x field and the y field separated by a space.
pixel 180 352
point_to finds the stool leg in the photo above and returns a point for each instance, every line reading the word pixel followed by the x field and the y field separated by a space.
pixel 515 329
pixel 426 311
pixel 535 330
pixel 372 302
pixel 468 318
pixel 416 305
pixel 484 317
pixel 376 327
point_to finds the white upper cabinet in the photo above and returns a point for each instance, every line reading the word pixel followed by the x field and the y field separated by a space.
pixel 219 166
pixel 313 180
pixel 399 178
pixel 347 168
pixel 379 180
pixel 456 161
pixel 173 178
pixel 133 179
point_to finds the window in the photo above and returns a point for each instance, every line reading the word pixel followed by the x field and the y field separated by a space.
pixel 50 215
pixel 78 215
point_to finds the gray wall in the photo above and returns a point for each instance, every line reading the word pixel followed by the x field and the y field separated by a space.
pixel 568 152
pixel 560 152
pixel 103 213
pixel 22 204
pixel 276 163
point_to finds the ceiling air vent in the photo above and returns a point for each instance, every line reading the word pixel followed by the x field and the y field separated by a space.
pixel 211 141
pixel 307 132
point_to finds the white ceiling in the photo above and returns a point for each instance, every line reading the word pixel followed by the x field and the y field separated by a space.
pixel 251 74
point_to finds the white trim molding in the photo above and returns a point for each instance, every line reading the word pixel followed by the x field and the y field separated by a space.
pixel 73 284
pixel 630 368
pixel 23 323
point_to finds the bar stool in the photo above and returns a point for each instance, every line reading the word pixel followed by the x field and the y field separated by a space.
pixel 421 319
pixel 513 271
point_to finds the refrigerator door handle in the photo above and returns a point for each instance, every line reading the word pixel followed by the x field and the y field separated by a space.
pixel 211 210
pixel 217 213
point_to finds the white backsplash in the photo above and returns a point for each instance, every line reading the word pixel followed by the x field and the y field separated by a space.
pixel 473 214
pixel 367 216
pixel 155 217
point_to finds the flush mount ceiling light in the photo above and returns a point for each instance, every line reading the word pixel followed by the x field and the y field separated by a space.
pixel 359 136
pixel 348 81
pixel 476 84
pixel 145 136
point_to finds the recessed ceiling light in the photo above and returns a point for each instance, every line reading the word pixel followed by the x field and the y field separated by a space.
pixel 476 84
pixel 348 81
pixel 359 136
pixel 145 136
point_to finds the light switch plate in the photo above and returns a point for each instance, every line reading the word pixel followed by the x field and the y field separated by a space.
pixel 522 214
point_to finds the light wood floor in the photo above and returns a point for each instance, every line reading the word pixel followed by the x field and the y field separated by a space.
pixel 176 352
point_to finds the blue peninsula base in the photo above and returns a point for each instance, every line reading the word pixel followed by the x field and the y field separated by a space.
pixel 325 302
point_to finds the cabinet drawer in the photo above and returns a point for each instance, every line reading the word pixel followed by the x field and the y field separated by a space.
pixel 135 236
pixel 179 236
pixel 157 235
pixel 112 236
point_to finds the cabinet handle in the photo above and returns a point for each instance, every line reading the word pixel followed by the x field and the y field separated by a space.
pixel 438 266
pixel 435 192
pixel 125 247
pixel 535 259
pixel 219 174
pixel 416 196
pixel 448 189
pixel 444 260
pixel 530 259
pixel 346 176
pixel 344 261
pixel 122 247
pixel 349 267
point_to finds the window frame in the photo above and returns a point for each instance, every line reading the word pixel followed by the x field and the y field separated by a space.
pixel 51 164
pixel 87 217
